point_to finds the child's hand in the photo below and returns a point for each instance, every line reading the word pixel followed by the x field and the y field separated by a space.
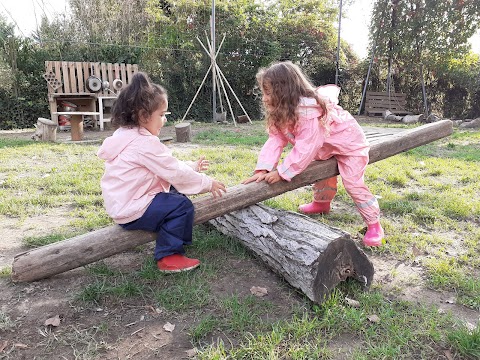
pixel 272 177
pixel 217 188
pixel 257 177
pixel 201 164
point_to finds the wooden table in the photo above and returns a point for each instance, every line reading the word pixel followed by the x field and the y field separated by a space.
pixel 76 121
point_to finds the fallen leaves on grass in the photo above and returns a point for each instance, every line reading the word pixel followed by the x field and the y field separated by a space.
pixel 258 291
pixel 192 352
pixel 169 327
pixel 53 321
pixel 352 303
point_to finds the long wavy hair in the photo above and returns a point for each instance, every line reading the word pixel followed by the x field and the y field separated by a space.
pixel 288 84
pixel 137 101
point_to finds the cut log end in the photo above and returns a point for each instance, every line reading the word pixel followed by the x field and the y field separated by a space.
pixel 341 260
pixel 183 132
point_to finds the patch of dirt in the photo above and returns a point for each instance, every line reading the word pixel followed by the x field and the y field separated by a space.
pixel 406 282
pixel 118 330
pixel 135 329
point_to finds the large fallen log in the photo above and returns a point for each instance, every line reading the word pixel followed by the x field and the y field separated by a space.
pixel 309 255
pixel 84 249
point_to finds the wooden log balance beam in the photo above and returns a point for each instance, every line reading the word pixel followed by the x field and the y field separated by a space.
pixel 49 260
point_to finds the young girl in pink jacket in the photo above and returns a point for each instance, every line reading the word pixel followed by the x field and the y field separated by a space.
pixel 143 184
pixel 318 128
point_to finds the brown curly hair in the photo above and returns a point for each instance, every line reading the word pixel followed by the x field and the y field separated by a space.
pixel 137 101
pixel 288 84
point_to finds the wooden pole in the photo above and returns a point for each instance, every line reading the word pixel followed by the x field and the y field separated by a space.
pixel 81 250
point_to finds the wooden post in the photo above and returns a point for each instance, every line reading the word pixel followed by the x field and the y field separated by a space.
pixel 56 258
pixel 76 122
pixel 183 132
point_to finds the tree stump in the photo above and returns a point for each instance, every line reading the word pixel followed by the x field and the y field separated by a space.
pixel 183 132
pixel 311 256
pixel 242 119
pixel 46 130
pixel 220 117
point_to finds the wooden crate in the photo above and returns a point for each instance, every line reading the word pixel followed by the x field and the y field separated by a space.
pixel 377 102
pixel 66 82
pixel 72 76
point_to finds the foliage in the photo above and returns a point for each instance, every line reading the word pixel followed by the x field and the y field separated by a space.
pixel 161 36
pixel 420 40
pixel 258 34
pixel 21 64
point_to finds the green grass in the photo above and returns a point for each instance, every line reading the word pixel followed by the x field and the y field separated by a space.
pixel 255 137
pixel 402 331
pixel 429 200
pixel 6 271
pixel 11 143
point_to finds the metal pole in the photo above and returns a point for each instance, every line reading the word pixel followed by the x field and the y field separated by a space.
pixel 214 65
pixel 424 91
pixel 338 42
pixel 366 80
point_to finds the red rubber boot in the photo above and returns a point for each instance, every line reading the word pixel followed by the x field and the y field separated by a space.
pixel 315 208
pixel 374 235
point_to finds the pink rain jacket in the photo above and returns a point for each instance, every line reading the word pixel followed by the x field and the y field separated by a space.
pixel 137 167
pixel 313 141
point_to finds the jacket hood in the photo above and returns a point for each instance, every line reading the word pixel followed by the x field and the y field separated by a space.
pixel 329 92
pixel 115 144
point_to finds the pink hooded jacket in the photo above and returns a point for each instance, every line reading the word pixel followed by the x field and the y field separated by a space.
pixel 311 140
pixel 138 167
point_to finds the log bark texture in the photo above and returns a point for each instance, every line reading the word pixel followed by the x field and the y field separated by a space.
pixel 183 132
pixel 81 250
pixel 309 255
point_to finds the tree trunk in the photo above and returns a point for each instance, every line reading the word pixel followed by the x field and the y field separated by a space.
pixel 309 255
pixel 81 250
pixel 183 132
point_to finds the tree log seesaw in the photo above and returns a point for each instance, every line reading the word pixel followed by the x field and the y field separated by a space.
pixel 337 256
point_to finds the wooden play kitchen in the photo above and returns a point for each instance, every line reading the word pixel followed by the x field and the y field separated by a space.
pixel 77 90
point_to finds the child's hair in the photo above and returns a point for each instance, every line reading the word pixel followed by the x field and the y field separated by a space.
pixel 137 101
pixel 288 84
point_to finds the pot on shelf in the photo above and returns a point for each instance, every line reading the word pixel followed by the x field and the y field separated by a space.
pixel 93 84
pixel 67 106
pixel 117 84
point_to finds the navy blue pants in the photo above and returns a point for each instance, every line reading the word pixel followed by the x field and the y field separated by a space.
pixel 170 215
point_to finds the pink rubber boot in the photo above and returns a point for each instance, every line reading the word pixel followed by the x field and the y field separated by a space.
pixel 315 208
pixel 374 235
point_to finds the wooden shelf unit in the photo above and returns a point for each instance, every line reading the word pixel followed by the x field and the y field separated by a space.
pixel 66 82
